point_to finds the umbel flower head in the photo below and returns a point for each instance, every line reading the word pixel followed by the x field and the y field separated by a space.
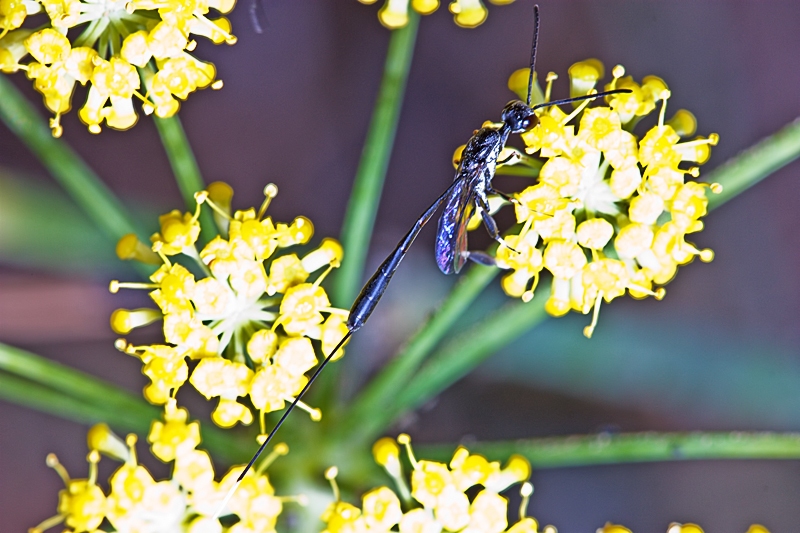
pixel 466 13
pixel 246 324
pixel 675 527
pixel 186 502
pixel 123 49
pixel 440 497
pixel 462 496
pixel 610 212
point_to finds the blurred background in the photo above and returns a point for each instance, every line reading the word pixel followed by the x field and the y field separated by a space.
pixel 720 352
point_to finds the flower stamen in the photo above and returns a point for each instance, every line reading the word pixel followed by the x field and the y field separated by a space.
pixel 158 248
pixel 580 107
pixel 200 197
pixel 589 330
pixel 270 192
pixel 404 440
pixel 658 294
pixel 300 499
pixel 333 264
pixel 279 450
pixel 123 321
pixel 53 462
pixel 114 286
pixel 221 212
pixel 551 77
pixel 527 296
pixel 712 139
pixel 617 72
pixel 665 94
pixel 330 475
pixel 130 441
pixel 525 491
pixel 47 524
pixel 315 414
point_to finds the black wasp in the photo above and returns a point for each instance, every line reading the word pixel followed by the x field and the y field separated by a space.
pixel 465 196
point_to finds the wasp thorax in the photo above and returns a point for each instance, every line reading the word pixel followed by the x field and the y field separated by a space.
pixel 519 116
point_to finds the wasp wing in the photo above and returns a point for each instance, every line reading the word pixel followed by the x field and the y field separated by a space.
pixel 475 172
pixel 451 237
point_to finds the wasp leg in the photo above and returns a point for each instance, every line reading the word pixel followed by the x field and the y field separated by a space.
pixel 490 224
pixel 482 258
pixel 507 159
pixel 504 195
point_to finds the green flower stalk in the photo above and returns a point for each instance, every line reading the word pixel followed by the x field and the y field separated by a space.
pixel 363 205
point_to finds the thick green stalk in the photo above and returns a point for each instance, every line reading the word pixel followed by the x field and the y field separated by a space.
pixel 68 380
pixel 365 197
pixel 33 381
pixel 82 184
pixel 584 450
pixel 458 357
pixel 64 240
pixel 184 167
pixel 755 163
pixel 36 396
pixel 461 355
pixel 392 378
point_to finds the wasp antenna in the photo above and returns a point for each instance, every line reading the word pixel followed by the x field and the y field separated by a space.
pixel 533 51
pixel 579 98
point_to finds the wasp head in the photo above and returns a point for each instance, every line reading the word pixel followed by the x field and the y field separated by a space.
pixel 519 116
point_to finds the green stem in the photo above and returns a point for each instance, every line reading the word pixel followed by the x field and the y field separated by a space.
pixel 584 450
pixel 184 167
pixel 64 240
pixel 461 355
pixel 33 381
pixel 381 391
pixel 755 163
pixel 364 199
pixel 31 394
pixel 69 381
pixel 82 184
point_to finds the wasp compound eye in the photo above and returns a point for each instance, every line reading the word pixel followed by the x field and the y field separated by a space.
pixel 529 122
pixel 518 116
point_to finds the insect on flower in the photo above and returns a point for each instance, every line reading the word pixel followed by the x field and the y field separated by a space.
pixel 464 197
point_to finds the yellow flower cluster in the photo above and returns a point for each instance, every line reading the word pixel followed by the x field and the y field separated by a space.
pixel 676 528
pixel 126 49
pixel 185 502
pixel 443 497
pixel 438 497
pixel 248 322
pixel 610 212
pixel 466 13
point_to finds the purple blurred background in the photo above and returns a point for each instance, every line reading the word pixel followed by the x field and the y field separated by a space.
pixel 721 352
